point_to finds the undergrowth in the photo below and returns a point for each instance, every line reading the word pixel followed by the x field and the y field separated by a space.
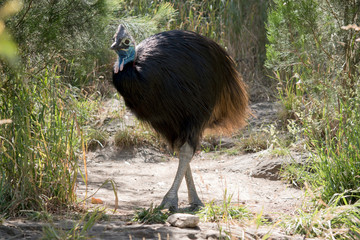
pixel 38 148
pixel 138 136
pixel 46 104
pixel 154 214
pixel 318 83
pixel 224 212
pixel 336 220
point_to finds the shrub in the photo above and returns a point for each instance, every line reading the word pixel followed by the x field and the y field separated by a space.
pixel 313 51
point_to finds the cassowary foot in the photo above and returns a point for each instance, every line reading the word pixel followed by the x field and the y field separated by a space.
pixel 170 202
pixel 195 202
pixel 196 206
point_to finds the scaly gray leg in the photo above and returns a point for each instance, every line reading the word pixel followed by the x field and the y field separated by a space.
pixel 194 199
pixel 170 200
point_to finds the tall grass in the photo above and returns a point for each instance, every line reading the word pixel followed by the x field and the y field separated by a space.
pixel 332 222
pixel 38 162
pixel 317 90
pixel 313 50
pixel 337 160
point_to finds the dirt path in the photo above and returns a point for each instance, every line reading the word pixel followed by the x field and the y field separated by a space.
pixel 144 177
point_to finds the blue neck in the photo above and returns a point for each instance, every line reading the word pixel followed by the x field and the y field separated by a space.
pixel 126 55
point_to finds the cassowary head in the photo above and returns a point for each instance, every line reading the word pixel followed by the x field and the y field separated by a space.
pixel 124 46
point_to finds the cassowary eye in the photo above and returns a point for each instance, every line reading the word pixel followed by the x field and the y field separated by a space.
pixel 126 41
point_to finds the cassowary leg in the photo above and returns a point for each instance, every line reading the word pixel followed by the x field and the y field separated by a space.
pixel 170 200
pixel 194 199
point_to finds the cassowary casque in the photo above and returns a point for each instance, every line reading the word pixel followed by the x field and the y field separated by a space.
pixel 181 83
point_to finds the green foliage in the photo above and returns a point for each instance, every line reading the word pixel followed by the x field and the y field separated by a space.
pixel 154 214
pixel 296 174
pixel 337 160
pixel 308 49
pixel 67 33
pixel 290 33
pixel 314 51
pixel 215 213
pixel 142 24
pixel 38 216
pixel 60 44
pixel 224 213
pixel 38 161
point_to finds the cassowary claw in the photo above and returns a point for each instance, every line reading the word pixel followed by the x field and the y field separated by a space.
pixel 194 206
pixel 170 203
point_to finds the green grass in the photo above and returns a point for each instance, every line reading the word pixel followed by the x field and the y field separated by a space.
pixel 38 161
pixel 223 212
pixel 295 174
pixel 227 214
pixel 331 174
pixel 154 214
pixel 327 221
pixel 337 159
pixel 211 212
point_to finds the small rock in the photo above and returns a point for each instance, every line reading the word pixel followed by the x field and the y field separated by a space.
pixel 183 220
pixel 268 170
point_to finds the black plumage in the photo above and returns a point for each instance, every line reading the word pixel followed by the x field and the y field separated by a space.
pixel 180 83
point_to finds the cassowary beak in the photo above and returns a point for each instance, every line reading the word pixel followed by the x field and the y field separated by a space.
pixel 113 46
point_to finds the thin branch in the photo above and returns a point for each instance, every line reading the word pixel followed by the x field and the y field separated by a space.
pixel 26 12
pixel 333 13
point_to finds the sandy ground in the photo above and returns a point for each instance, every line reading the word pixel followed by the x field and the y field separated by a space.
pixel 143 177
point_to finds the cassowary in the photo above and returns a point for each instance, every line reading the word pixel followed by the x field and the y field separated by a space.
pixel 181 83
